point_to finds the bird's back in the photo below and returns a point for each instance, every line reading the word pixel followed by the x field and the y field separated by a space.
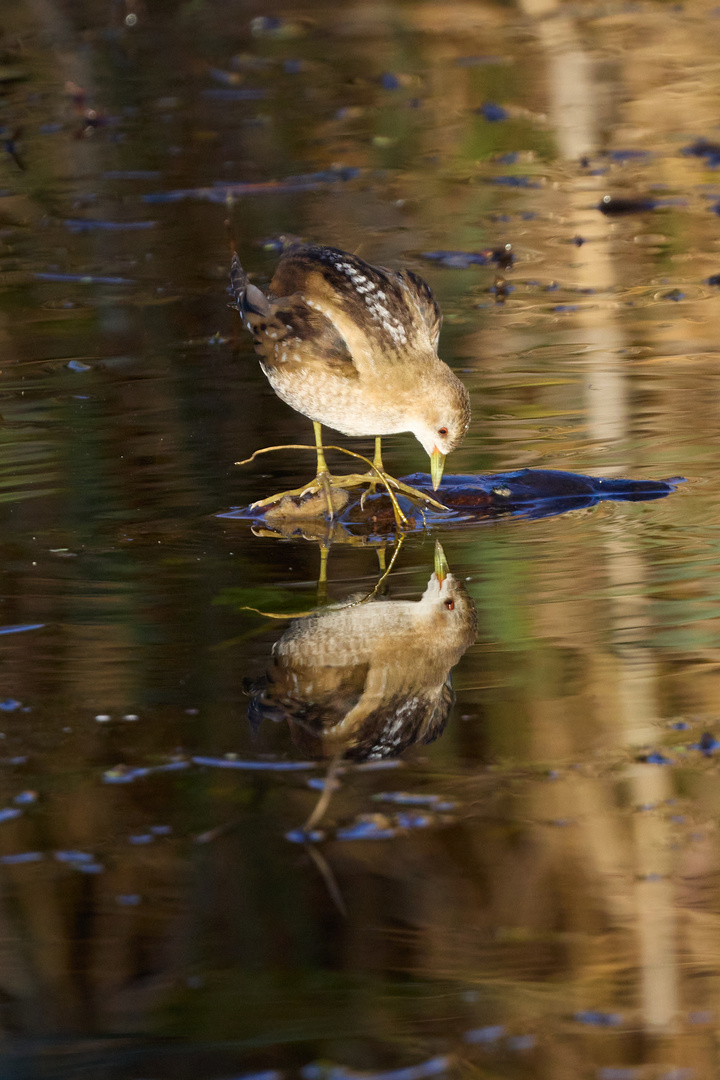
pixel 376 310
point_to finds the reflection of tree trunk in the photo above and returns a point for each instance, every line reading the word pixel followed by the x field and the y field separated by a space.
pixel 650 787
pixel 573 110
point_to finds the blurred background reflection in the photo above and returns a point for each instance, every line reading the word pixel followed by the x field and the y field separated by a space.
pixel 536 892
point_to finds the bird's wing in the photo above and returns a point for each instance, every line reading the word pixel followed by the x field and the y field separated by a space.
pixel 375 310
pixel 422 298
pixel 287 329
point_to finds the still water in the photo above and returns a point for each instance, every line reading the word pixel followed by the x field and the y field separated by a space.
pixel 228 843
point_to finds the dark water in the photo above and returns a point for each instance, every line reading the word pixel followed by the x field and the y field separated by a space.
pixel 534 893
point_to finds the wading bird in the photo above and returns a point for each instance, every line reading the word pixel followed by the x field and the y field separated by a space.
pixel 354 347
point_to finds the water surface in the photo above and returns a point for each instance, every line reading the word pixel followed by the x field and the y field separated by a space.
pixel 533 894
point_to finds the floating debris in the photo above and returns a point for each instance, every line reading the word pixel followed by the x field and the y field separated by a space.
pixel 84 279
pixel 254 766
pixel 484 1035
pixel 274 26
pixel 470 499
pixel 520 1043
pixel 322 783
pixel 87 225
pixel 492 112
pixel 26 798
pixel 478 61
pixel 10 705
pixel 368 827
pixel 598 1019
pixel 384 827
pixel 436 1066
pixel 627 155
pixel 227 93
pixel 612 204
pixel 305 836
pixel 126 774
pixel 703 148
pixel 409 798
pixel 222 192
pixel 389 81
pixel 73 857
pixel 20 628
pixel 226 78
pixel 132 174
pixel 8 813
pixel 516 181
pixel 607 1073
pixel 21 857
pixel 461 260
pixel 656 758
pixel 708 743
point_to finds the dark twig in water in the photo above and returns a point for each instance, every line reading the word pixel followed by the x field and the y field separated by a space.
pixel 328 877
pixel 352 603
pixel 352 479
pixel 326 794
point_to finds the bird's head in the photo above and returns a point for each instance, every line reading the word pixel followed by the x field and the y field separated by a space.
pixel 448 607
pixel 442 422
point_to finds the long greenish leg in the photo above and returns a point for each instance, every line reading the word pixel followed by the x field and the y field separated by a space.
pixel 322 576
pixel 325 482
pixel 322 469
pixel 321 464
pixel 373 478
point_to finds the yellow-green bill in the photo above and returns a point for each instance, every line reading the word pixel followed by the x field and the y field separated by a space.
pixel 437 464
pixel 441 564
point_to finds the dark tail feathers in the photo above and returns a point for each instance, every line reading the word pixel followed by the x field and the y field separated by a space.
pixel 250 301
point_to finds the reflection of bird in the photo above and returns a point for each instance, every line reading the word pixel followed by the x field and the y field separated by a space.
pixel 354 347
pixel 370 680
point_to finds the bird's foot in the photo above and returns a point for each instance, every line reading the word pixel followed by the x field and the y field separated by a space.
pixel 312 500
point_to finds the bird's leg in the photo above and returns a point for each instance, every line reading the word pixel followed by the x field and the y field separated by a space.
pixel 322 576
pixel 375 476
pixel 321 463
pixel 323 476
pixel 321 485
pixel 325 482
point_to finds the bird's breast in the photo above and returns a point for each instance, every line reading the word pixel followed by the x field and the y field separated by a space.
pixel 336 402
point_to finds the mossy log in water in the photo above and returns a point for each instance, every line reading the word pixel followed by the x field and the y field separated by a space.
pixel 467 499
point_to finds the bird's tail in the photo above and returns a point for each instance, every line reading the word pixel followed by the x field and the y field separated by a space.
pixel 252 304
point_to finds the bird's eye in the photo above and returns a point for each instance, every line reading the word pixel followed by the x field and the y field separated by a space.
pixel 450 605
pixel 442 431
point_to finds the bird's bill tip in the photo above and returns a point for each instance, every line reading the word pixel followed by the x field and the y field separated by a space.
pixel 437 464
pixel 441 564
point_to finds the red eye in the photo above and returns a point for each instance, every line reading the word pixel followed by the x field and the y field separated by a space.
pixel 450 605
pixel 442 431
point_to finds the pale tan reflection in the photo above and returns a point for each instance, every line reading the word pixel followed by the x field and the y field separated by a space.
pixel 638 713
pixel 575 102
pixel 367 680
pixel 576 99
